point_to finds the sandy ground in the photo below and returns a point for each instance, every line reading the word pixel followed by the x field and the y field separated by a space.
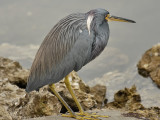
pixel 114 115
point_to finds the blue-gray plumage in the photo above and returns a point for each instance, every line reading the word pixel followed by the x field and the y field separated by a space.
pixel 72 43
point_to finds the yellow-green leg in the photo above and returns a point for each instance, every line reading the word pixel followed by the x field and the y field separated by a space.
pixel 68 85
pixel 81 111
pixel 72 114
pixel 52 87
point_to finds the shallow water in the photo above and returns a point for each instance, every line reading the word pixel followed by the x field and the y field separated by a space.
pixel 24 24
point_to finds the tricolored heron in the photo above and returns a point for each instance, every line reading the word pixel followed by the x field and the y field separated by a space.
pixel 73 42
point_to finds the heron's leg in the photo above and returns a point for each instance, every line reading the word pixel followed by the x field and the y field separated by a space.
pixel 52 87
pixel 72 114
pixel 68 85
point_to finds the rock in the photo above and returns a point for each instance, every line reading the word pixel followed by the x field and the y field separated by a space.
pixel 4 115
pixel 36 104
pixel 9 93
pixel 127 99
pixel 99 91
pixel 20 105
pixel 13 71
pixel 149 65
pixel 11 74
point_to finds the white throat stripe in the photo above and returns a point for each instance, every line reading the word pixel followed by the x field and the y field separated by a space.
pixel 89 21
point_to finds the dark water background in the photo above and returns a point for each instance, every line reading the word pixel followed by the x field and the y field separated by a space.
pixel 25 23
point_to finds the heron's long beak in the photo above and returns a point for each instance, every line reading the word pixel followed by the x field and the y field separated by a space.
pixel 114 18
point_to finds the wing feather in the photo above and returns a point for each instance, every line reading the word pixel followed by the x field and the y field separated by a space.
pixel 64 49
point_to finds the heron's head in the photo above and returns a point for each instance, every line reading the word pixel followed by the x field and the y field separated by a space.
pixel 104 15
pixel 99 16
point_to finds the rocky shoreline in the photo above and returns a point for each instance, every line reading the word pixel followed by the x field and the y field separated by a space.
pixel 16 104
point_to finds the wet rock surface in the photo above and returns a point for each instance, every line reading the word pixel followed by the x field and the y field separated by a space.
pixel 17 104
pixel 149 65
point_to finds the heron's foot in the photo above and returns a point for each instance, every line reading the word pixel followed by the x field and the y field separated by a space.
pixel 85 116
pixel 80 117
pixel 93 115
